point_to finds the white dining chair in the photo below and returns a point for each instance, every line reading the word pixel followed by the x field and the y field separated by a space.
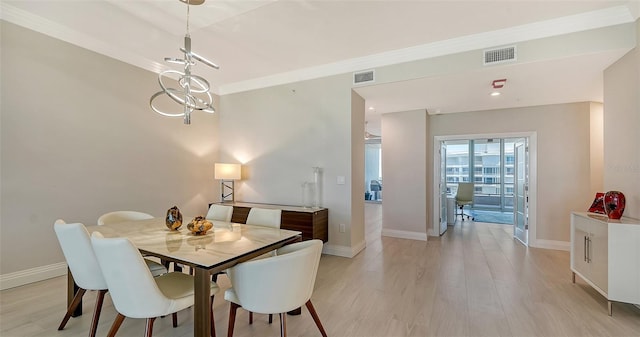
pixel 156 268
pixel 122 216
pixel 264 217
pixel 267 218
pixel 220 213
pixel 276 285
pixel 135 292
pixel 78 252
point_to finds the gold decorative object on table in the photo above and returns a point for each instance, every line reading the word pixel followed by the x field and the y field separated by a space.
pixel 174 218
pixel 199 225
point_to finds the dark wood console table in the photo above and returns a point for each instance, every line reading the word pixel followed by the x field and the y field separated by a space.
pixel 312 222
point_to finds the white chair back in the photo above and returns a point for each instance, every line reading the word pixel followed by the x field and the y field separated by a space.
pixel 76 247
pixel 277 284
pixel 465 192
pixel 133 289
pixel 122 216
pixel 220 213
pixel 264 217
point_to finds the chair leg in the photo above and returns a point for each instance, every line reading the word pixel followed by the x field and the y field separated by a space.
pixel 148 328
pixel 213 324
pixel 96 313
pixel 316 319
pixel 174 318
pixel 77 299
pixel 232 318
pixel 251 318
pixel 283 324
pixel 116 325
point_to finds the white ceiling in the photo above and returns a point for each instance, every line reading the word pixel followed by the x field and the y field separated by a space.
pixel 262 43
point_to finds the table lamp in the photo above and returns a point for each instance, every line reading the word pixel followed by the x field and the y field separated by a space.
pixel 227 174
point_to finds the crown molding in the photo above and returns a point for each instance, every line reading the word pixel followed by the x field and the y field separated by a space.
pixel 47 27
pixel 565 25
pixel 560 26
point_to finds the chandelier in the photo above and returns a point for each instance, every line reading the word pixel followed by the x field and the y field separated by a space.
pixel 191 91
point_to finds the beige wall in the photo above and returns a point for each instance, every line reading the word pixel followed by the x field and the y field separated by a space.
pixel 357 172
pixel 280 133
pixel 622 128
pixel 596 147
pixel 563 155
pixel 404 167
pixel 78 139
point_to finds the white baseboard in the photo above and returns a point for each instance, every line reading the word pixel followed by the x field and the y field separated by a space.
pixel 404 234
pixel 551 244
pixel 344 251
pixel 32 275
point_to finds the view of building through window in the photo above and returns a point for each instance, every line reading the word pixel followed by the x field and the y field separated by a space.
pixel 489 164
pixel 373 170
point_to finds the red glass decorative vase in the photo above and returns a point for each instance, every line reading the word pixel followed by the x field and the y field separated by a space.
pixel 614 203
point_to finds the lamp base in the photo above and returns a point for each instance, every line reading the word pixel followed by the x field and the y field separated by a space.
pixel 229 186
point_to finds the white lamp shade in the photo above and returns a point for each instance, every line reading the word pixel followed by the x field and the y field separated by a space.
pixel 227 171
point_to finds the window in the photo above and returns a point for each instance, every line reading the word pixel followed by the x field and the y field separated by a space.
pixel 489 163
pixel 491 180
pixel 491 170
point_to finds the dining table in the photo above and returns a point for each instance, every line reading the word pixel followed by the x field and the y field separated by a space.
pixel 223 246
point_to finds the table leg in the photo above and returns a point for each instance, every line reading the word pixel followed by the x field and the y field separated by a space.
pixel 72 288
pixel 202 305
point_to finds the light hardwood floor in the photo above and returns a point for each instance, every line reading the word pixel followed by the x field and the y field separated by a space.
pixel 473 281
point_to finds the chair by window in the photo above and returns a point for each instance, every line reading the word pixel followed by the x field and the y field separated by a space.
pixel 276 285
pixel 220 213
pixel 464 197
pixel 135 292
pixel 156 268
pixel 376 188
pixel 76 247
pixel 264 217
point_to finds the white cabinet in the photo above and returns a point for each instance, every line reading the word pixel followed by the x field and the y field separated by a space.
pixel 451 210
pixel 606 254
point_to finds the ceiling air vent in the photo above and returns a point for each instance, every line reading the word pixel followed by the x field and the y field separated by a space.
pixel 499 55
pixel 364 77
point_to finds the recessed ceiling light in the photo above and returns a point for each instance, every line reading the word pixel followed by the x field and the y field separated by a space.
pixel 495 93
pixel 371 108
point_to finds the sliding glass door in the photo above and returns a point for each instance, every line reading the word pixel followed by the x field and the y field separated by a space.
pixel 489 164
pixel 487 173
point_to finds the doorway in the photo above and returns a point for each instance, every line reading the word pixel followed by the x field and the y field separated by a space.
pixel 373 170
pixel 502 169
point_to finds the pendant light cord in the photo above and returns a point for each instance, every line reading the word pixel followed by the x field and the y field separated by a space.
pixel 188 5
